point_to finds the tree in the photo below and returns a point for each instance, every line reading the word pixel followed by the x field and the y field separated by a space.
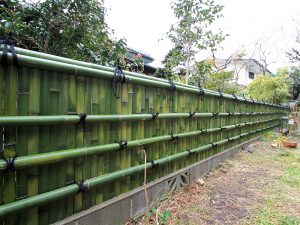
pixel 210 77
pixel 294 53
pixel 193 31
pixel 269 88
pixel 74 29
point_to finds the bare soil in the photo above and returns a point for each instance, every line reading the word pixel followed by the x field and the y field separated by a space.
pixel 262 187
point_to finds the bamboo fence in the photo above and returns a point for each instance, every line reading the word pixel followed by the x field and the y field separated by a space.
pixel 68 143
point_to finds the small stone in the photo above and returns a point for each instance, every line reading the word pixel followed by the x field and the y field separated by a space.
pixel 200 181
pixel 249 148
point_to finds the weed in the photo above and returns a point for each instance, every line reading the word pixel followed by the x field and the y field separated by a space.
pixel 289 220
pixel 291 176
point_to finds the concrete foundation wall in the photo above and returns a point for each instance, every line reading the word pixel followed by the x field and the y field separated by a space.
pixel 132 204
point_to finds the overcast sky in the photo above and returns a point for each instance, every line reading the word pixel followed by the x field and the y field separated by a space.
pixel 144 22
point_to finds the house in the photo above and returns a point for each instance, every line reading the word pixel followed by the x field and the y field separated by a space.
pixel 148 69
pixel 244 70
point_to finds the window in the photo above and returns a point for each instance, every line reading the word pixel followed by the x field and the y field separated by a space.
pixel 251 75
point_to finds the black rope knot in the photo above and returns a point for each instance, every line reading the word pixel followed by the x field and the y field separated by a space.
pixel 191 114
pixel 154 116
pixel 172 87
pixel 10 163
pixel 214 144
pixel 174 138
pixel 153 164
pixel 204 131
pixel 8 46
pixel 215 114
pixel 201 90
pixel 235 97
pixel 123 145
pixel 190 152
pixel 82 117
pixel 118 80
pixel 81 187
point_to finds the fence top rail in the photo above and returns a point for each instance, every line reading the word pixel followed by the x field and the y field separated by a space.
pixel 78 118
pixel 64 66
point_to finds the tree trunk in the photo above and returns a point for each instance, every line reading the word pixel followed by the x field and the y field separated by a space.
pixel 187 71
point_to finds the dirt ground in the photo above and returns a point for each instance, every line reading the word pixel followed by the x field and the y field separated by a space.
pixel 262 187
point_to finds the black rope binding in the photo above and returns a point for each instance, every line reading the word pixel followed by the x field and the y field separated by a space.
pixel 82 117
pixel 191 114
pixel 9 47
pixel 82 188
pixel 174 138
pixel 203 131
pixel 118 80
pixel 201 91
pixel 215 114
pixel 221 96
pixel 123 145
pixel 10 163
pixel 190 152
pixel 214 145
pixel 154 116
pixel 235 97
pixel 153 165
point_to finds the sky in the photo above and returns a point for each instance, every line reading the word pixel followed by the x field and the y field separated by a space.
pixel 144 23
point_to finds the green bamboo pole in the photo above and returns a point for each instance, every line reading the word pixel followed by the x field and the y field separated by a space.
pixel 22 134
pixel 96 161
pixel 54 172
pixel 44 64
pixel 70 92
pixel 94 182
pixel 2 88
pixel 105 95
pixel 99 102
pixel 87 161
pixel 10 109
pixel 80 90
pixel 44 146
pixel 33 144
pixel 74 119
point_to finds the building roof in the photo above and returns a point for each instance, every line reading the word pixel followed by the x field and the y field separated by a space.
pixel 147 58
pixel 249 60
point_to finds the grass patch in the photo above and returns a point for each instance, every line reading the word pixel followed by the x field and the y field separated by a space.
pixel 291 176
pixel 269 214
pixel 289 220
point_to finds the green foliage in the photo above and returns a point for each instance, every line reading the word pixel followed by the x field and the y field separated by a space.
pixel 208 78
pixel 161 216
pixel 289 220
pixel 192 33
pixel 74 29
pixel 269 88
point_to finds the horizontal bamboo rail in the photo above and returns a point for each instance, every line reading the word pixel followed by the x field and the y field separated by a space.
pixel 74 119
pixel 55 66
pixel 46 56
pixel 93 182
pixel 62 155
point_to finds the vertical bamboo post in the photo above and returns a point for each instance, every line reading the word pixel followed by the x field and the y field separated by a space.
pixel 80 84
pixel 22 136
pixel 10 109
pixel 87 161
